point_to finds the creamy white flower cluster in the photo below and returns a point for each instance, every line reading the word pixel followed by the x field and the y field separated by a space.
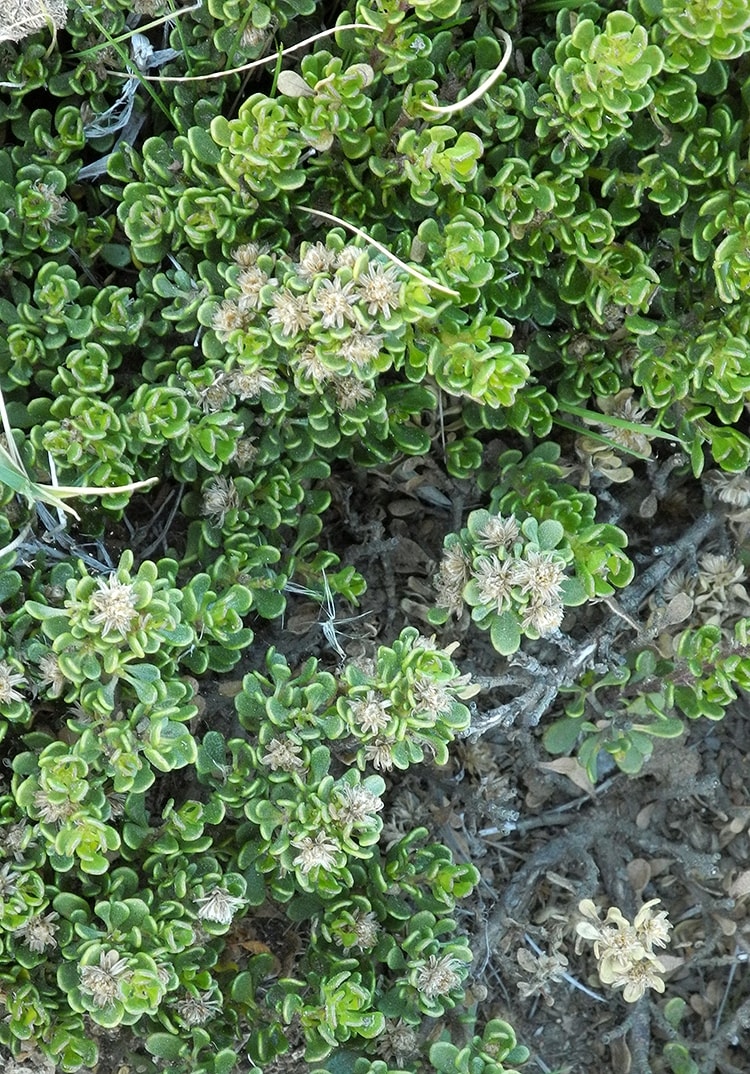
pixel 329 312
pixel 507 573
pixel 625 951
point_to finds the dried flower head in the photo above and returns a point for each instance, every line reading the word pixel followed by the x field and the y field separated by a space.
pixel 10 678
pixel 38 933
pixel 540 574
pixel 114 605
pixel 254 36
pixel 316 259
pixel 454 565
pixel 228 318
pixel 316 852
pixel 245 452
pixel 677 583
pixel 430 644
pixel 284 755
pixel 247 254
pixel 348 256
pixel 51 811
pixel 361 348
pixel 219 498
pixel 398 1042
pixel 379 752
pixel 380 289
pixel 366 929
pixel 8 881
pixel 452 576
pixel 431 698
pixel 116 803
pixel 542 970
pixel 369 714
pixel 732 489
pixel 399 820
pixel 104 983
pixel 50 677
pixel 356 805
pixel 250 282
pixel 495 579
pixel 197 1010
pixel 719 572
pixel 350 392
pixel 438 976
pixel 334 300
pixel 544 618
pixel 218 906
pixel 311 365
pixel 215 396
pixel 290 312
pixel 56 203
pixel 14 838
pixel 498 532
pixel 249 383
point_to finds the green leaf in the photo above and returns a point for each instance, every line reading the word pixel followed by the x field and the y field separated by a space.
pixel 212 754
pixel 679 1059
pixel 674 1011
pixel 505 633
pixel 562 735
pixel 225 1061
pixel 303 908
pixel 340 1062
pixel 203 146
pixel 443 1056
pixel 573 592
pixel 164 1045
pixel 10 583
pixel 410 439
pixel 550 534
pixel 666 727
pixel 116 255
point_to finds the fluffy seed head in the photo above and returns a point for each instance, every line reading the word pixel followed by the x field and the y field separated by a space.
pixel 290 312
pixel 334 301
pixel 356 805
pixel 114 605
pixel 197 1010
pixel 218 906
pixel 380 289
pixel 9 680
pixel 438 976
pixel 103 983
pixel 370 714
pixel 495 580
pixel 318 852
pixel 38 933
pixel 284 755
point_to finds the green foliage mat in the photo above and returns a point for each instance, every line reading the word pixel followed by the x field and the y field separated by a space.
pixel 246 249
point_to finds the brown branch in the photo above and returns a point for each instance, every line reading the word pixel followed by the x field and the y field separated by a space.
pixel 547 680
